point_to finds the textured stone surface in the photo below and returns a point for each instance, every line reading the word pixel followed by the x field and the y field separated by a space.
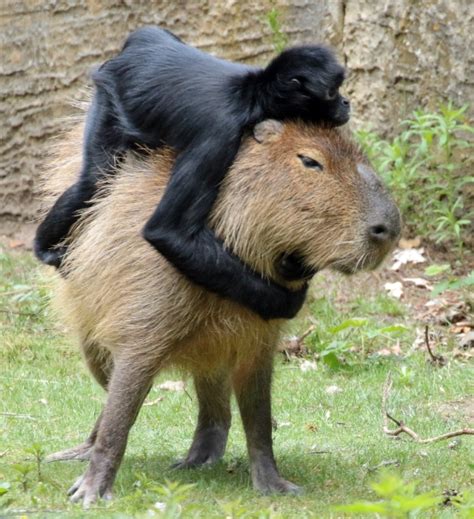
pixel 400 55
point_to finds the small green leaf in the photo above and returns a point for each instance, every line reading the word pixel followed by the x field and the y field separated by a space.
pixel 331 360
pixel 4 487
pixel 349 323
pixel 434 270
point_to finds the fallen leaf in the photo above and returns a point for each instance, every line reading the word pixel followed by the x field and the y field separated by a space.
pixel 412 243
pixel 15 244
pixel 393 349
pixel 172 385
pixel 332 390
pixel 419 341
pixel 308 365
pixel 460 328
pixel 394 289
pixel 404 256
pixel 153 402
pixel 467 341
pixel 419 282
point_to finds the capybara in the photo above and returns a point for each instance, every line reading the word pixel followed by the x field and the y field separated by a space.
pixel 294 190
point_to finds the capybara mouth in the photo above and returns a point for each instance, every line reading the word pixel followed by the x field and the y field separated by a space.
pixel 365 262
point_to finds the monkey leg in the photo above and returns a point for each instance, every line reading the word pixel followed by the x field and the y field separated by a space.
pixel 210 437
pixel 128 387
pixel 103 149
pixel 252 387
pixel 100 364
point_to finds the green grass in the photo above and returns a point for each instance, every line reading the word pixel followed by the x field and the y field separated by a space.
pixel 331 444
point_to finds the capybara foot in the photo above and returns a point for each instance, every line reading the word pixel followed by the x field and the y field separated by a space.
pixel 80 453
pixel 90 487
pixel 207 448
pixel 197 459
pixel 266 480
pixel 276 485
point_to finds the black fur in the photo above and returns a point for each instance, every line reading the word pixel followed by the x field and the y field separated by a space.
pixel 158 91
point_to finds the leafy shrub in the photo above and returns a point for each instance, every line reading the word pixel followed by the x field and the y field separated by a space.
pixel 397 500
pixel 424 167
pixel 279 38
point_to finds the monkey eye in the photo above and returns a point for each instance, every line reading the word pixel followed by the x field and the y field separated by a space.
pixel 332 94
pixel 308 162
pixel 295 81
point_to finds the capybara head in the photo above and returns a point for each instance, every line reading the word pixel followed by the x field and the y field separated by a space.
pixel 307 192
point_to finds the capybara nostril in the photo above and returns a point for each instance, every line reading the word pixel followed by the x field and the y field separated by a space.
pixel 345 101
pixel 379 233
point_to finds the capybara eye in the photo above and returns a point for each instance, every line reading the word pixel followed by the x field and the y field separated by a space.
pixel 308 162
pixel 295 81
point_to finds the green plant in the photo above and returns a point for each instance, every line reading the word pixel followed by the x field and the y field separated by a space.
pixel 398 499
pixel 450 282
pixel 21 473
pixel 38 453
pixel 351 336
pixel 464 505
pixel 425 168
pixel 279 38
pixel 454 283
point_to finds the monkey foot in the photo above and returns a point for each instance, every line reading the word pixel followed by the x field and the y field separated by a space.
pixel 53 257
pixel 80 453
pixel 89 488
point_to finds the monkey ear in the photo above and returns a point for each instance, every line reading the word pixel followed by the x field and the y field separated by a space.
pixel 267 130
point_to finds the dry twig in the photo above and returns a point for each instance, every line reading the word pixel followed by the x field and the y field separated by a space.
pixel 402 428
pixel 437 360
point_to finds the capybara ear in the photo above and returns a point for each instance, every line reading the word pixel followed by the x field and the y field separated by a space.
pixel 268 130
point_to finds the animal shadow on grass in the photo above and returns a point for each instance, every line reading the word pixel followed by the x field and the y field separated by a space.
pixel 231 474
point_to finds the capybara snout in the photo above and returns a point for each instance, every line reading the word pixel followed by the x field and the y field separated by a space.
pixel 294 191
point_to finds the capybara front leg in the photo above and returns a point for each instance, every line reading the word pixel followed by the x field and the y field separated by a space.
pixel 252 388
pixel 127 389
pixel 210 437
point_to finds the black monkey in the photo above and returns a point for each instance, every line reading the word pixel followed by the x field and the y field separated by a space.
pixel 158 91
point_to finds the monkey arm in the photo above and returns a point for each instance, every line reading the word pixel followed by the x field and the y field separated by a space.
pixel 178 230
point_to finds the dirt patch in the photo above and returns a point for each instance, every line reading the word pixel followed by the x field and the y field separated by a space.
pixel 458 409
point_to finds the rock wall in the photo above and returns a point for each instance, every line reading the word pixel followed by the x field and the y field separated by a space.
pixel 399 54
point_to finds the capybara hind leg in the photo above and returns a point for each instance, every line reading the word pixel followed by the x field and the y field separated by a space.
pixel 127 389
pixel 99 361
pixel 252 388
pixel 210 437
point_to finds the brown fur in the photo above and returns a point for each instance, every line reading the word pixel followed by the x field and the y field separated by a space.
pixel 131 308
